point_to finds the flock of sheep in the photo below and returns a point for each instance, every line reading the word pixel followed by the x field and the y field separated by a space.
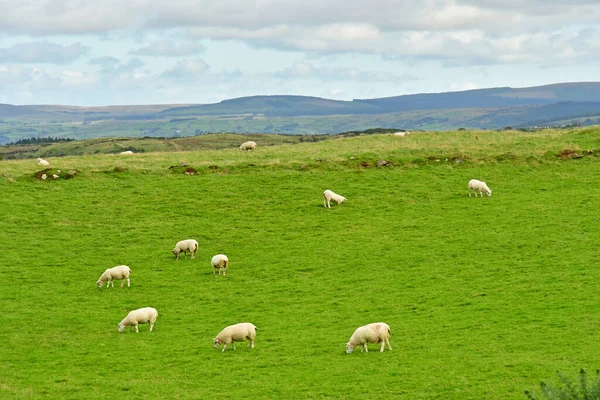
pixel 378 332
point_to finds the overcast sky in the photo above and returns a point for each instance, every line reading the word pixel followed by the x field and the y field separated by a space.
pixel 102 52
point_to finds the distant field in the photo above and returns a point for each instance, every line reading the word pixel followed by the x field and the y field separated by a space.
pixel 485 296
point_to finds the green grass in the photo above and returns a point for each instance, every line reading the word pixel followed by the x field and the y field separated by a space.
pixel 485 297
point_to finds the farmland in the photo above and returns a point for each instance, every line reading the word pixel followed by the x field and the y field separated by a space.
pixel 485 296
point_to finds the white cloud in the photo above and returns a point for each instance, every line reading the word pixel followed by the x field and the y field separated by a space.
pixel 305 70
pixel 169 48
pixel 42 52
pixel 186 69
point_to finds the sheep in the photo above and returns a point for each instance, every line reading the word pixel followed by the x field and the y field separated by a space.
pixel 248 146
pixel 220 262
pixel 145 315
pixel 119 272
pixel 44 176
pixel 378 332
pixel 126 152
pixel 186 245
pixel 480 186
pixel 328 196
pixel 400 134
pixel 43 162
pixel 236 333
pixel 55 176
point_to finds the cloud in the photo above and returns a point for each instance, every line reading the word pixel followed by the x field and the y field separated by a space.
pixel 305 70
pixel 42 52
pixel 458 32
pixel 169 48
pixel 104 61
pixel 186 69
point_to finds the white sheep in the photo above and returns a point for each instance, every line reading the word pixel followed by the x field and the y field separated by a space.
pixel 328 196
pixel 400 134
pixel 478 186
pixel 186 245
pixel 248 146
pixel 220 262
pixel 236 333
pixel 43 162
pixel 115 273
pixel 145 315
pixel 126 152
pixel 378 332
pixel 44 176
pixel 55 176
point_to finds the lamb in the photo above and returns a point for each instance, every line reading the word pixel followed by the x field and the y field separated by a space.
pixel 186 245
pixel 220 262
pixel 236 333
pixel 145 315
pixel 400 134
pixel 378 332
pixel 126 152
pixel 119 272
pixel 248 146
pixel 328 196
pixel 43 162
pixel 480 186
pixel 55 176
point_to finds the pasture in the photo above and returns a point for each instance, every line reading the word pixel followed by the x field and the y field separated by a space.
pixel 485 297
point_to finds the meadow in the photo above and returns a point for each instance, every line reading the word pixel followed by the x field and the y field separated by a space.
pixel 485 297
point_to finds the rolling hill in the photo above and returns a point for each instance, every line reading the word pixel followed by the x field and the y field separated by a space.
pixel 550 105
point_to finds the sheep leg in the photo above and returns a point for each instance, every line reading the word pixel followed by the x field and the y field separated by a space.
pixel 387 340
pixel 224 347
pixel 233 344
pixel 366 348
pixel 251 343
pixel 382 346
pixel 128 282
pixel 151 325
pixel 136 329
pixel 122 282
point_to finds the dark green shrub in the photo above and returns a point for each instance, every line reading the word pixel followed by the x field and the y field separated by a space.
pixel 567 390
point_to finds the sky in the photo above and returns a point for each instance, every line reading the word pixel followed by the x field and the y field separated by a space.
pixel 111 52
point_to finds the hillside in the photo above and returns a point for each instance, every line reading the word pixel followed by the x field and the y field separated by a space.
pixel 568 103
pixel 485 297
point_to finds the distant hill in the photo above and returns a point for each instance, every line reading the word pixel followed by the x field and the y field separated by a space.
pixel 479 98
pixel 556 104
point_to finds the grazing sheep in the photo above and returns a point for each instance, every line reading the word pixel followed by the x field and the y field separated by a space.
pixel 126 152
pixel 248 146
pixel 43 162
pixel 378 332
pixel 145 315
pixel 220 262
pixel 236 333
pixel 44 176
pixel 186 245
pixel 115 273
pixel 400 134
pixel 328 196
pixel 55 176
pixel 479 186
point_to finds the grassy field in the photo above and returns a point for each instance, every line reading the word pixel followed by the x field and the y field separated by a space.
pixel 485 296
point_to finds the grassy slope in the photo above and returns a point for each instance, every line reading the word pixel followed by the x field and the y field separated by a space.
pixel 408 248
